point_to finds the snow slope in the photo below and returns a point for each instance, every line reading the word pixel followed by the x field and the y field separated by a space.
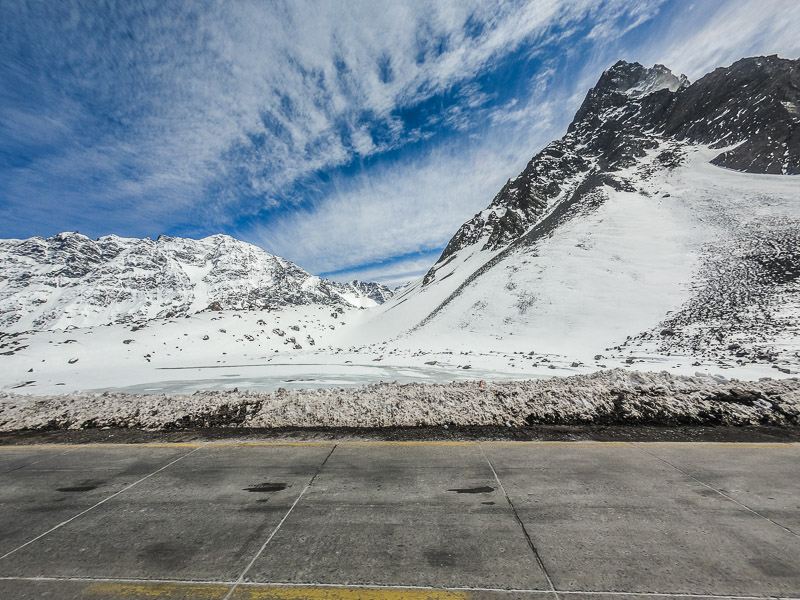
pixel 627 239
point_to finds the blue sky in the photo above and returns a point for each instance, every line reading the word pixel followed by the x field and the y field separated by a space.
pixel 352 138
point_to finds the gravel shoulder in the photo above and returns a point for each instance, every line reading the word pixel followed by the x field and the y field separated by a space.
pixel 543 433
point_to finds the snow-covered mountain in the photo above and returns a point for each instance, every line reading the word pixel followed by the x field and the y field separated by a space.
pixel 71 280
pixel 666 221
pixel 364 291
pixel 661 232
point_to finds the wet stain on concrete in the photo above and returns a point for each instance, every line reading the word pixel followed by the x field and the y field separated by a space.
pixel 439 558
pixel 476 490
pixel 774 568
pixel 84 486
pixel 488 503
pixel 266 487
pixel 171 556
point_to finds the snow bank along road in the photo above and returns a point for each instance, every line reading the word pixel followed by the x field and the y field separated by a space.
pixel 379 520
pixel 615 396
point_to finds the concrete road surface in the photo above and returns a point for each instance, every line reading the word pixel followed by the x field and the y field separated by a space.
pixel 400 520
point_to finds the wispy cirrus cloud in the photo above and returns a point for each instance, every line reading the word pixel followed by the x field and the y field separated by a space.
pixel 410 205
pixel 394 272
pixel 704 36
pixel 340 135
pixel 206 111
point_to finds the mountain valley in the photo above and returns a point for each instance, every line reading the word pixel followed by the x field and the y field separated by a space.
pixel 662 232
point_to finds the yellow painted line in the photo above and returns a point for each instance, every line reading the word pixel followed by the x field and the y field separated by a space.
pixel 144 445
pixel 270 444
pixel 35 447
pixel 409 443
pixel 583 443
pixel 343 593
pixel 591 444
pixel 112 445
pixel 327 444
pixel 166 445
pixel 725 445
pixel 211 591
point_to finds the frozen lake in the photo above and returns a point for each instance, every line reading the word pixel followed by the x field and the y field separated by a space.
pixel 268 377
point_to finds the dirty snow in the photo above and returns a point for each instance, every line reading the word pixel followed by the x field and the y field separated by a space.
pixel 614 396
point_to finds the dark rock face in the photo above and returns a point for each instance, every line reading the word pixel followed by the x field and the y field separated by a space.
pixel 753 105
pixel 522 201
pixel 622 82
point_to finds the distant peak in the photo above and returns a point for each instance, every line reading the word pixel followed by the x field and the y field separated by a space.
pixel 634 79
pixel 623 81
pixel 66 235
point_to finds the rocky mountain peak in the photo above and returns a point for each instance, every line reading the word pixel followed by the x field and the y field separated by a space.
pixel 634 79
pixel 750 111
pixel 623 81
pixel 72 280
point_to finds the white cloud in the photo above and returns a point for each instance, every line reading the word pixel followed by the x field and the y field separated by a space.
pixel 401 209
pixel 182 86
pixel 715 34
pixel 193 85
pixel 410 206
pixel 393 273
pixel 416 205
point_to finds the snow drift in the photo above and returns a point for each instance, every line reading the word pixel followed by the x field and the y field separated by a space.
pixel 614 396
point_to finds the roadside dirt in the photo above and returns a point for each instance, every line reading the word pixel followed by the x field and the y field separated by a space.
pixel 575 433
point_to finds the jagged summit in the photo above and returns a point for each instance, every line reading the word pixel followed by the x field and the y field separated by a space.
pixel 70 279
pixel 626 80
pixel 371 290
pixel 626 227
pixel 752 108
pixel 658 77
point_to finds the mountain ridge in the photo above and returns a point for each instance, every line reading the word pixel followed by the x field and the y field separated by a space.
pixel 648 142
pixel 688 114
pixel 70 279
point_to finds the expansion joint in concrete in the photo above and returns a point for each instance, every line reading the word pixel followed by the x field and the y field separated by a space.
pixel 720 492
pixel 240 580
pixel 101 502
pixel 528 538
